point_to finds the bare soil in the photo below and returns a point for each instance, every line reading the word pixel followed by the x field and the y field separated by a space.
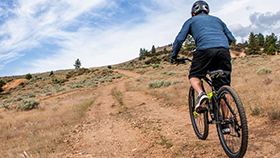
pixel 13 84
pixel 126 119
pixel 141 125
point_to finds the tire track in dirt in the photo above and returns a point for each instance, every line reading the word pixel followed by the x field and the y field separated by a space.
pixel 102 135
pixel 144 127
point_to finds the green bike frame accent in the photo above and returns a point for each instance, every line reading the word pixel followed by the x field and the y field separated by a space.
pixel 210 95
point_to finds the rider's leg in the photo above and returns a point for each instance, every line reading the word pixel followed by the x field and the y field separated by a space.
pixel 202 97
pixel 223 62
pixel 225 108
pixel 196 84
pixel 225 113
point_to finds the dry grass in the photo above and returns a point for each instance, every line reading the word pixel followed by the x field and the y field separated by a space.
pixel 257 88
pixel 39 133
pixel 258 91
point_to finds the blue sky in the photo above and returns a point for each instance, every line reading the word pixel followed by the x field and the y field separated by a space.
pixel 48 35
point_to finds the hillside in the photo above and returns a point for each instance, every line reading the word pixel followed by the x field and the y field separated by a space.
pixel 113 112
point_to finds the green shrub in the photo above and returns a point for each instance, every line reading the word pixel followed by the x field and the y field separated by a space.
pixel 31 95
pixel 110 71
pixel 51 74
pixel 155 84
pixel 59 81
pixel 119 76
pixel 77 72
pixel 141 72
pixel 170 73
pixel 274 114
pixel 156 65
pixel 22 84
pixel 144 66
pixel 60 89
pixel 179 81
pixel 48 94
pixel 109 80
pixel 28 76
pixel 28 104
pixel 153 60
pixel 263 71
pixel 167 83
pixel 19 99
pixel 102 80
pixel 7 100
pixel 75 85
pixel 2 83
pixel 255 111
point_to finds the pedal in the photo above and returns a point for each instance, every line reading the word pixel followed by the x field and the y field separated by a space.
pixel 201 110
pixel 214 122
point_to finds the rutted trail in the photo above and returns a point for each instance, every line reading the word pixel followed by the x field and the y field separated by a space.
pixel 106 136
pixel 137 128
pixel 141 126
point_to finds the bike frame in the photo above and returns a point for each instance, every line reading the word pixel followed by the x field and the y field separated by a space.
pixel 215 106
pixel 219 106
pixel 213 96
pixel 216 117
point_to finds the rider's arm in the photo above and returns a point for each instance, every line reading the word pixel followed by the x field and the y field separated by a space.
pixel 228 33
pixel 181 37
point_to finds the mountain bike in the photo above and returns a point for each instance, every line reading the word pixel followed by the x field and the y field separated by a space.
pixel 234 142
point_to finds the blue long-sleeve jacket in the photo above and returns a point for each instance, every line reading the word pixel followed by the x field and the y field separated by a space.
pixel 208 32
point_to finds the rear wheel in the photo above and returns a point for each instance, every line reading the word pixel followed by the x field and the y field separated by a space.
pixel 199 120
pixel 234 143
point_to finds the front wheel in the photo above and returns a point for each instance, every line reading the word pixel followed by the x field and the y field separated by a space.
pixel 233 116
pixel 199 120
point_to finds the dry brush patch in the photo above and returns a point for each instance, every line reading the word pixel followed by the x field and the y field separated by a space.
pixel 258 86
pixel 256 80
pixel 40 133
pixel 58 107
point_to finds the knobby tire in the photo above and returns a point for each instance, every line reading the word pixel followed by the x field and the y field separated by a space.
pixel 199 121
pixel 234 144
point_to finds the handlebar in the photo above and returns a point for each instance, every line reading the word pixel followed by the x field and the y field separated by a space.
pixel 212 74
pixel 182 60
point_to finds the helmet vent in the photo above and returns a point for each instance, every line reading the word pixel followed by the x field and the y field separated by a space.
pixel 199 6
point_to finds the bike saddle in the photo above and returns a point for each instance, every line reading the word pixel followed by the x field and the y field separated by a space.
pixel 215 73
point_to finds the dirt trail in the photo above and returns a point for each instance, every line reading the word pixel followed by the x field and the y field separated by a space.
pixel 13 84
pixel 140 126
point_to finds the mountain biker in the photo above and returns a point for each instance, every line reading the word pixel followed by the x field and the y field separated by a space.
pixel 212 39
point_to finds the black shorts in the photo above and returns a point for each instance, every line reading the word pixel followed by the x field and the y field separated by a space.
pixel 210 60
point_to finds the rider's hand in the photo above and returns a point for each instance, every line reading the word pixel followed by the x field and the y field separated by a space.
pixel 172 61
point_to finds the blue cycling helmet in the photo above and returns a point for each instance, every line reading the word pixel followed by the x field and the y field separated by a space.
pixel 200 6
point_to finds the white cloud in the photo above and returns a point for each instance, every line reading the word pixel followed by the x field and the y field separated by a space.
pixel 238 16
pixel 34 22
pixel 118 44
